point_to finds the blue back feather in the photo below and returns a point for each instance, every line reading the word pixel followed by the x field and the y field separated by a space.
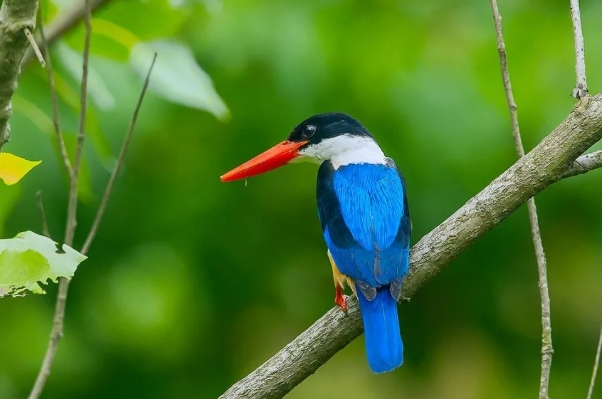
pixel 366 224
pixel 364 215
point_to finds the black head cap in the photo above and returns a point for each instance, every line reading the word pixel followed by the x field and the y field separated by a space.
pixel 328 125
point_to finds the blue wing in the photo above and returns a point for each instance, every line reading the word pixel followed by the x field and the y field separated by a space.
pixel 365 219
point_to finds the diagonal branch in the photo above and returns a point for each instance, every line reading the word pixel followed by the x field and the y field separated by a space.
pixel 120 159
pixel 547 163
pixel 15 17
pixel 546 340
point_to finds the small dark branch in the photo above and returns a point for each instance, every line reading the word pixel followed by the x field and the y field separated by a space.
pixel 15 17
pixel 584 164
pixel 590 391
pixel 544 165
pixel 547 349
pixel 120 160
pixel 35 47
pixel 64 22
pixel 55 102
pixel 580 89
pixel 45 229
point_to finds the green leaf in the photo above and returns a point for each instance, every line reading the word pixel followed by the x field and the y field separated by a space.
pixel 30 259
pixel 183 82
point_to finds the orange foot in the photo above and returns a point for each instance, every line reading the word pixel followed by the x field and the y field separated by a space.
pixel 340 299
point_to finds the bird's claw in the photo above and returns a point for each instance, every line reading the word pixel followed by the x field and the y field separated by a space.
pixel 340 299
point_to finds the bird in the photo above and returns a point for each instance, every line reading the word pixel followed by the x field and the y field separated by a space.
pixel 365 219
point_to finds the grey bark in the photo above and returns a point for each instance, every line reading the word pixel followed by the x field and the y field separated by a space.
pixel 15 17
pixel 552 159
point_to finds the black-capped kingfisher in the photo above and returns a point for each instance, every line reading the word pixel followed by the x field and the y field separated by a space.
pixel 363 209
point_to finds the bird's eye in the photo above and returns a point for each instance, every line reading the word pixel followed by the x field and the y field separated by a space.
pixel 309 131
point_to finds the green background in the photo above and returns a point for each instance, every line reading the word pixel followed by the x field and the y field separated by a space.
pixel 192 283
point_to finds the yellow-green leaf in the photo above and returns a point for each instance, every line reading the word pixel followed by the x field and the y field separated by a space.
pixel 30 259
pixel 13 168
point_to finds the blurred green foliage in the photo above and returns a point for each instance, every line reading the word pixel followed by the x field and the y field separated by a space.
pixel 191 283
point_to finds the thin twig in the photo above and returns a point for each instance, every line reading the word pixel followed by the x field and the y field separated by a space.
pixel 55 336
pixel 45 229
pixel 546 349
pixel 35 47
pixel 580 89
pixel 590 391
pixel 54 99
pixel 57 330
pixel 120 160
pixel 61 301
pixel 71 224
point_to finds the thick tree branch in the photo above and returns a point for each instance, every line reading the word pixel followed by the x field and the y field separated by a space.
pixel 546 335
pixel 15 17
pixel 581 86
pixel 544 165
pixel 62 23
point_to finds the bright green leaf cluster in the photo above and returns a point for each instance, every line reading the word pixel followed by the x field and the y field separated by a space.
pixel 29 259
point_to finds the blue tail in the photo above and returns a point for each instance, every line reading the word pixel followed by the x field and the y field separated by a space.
pixel 381 330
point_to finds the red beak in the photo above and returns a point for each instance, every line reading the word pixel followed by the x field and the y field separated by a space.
pixel 273 158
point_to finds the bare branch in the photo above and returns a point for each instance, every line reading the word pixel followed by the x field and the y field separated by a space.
pixel 34 46
pixel 71 224
pixel 15 17
pixel 120 160
pixel 584 164
pixel 501 48
pixel 55 336
pixel 532 173
pixel 581 86
pixel 63 22
pixel 546 349
pixel 590 391
pixel 55 102
pixel 59 313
